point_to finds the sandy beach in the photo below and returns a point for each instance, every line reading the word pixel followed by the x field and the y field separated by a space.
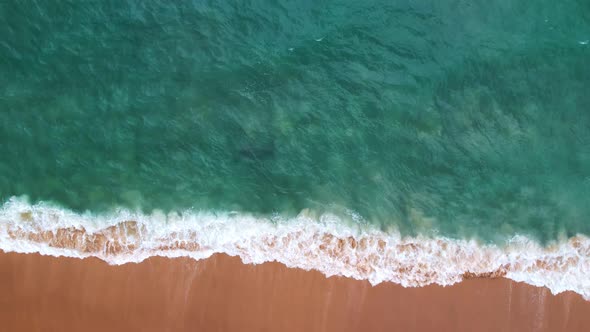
pixel 43 293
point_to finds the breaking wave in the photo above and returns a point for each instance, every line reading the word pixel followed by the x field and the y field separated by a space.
pixel 323 243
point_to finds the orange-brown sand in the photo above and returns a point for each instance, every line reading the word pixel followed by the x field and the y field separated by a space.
pixel 41 293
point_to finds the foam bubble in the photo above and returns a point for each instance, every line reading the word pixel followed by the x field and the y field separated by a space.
pixel 321 243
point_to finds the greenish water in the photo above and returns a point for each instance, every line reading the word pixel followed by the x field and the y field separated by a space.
pixel 474 115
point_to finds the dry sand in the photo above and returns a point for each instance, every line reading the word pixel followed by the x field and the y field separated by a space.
pixel 41 293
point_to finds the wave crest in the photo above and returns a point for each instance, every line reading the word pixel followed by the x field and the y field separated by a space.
pixel 325 244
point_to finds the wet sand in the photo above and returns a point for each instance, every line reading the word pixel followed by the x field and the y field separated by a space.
pixel 42 293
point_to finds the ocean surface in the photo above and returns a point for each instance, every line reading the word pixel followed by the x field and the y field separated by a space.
pixel 452 136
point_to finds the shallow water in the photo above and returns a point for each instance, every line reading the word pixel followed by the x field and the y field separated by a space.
pixel 460 118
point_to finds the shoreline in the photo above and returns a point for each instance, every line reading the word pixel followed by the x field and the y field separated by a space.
pixel 321 243
pixel 223 294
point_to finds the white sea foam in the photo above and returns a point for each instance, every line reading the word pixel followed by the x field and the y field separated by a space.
pixel 324 243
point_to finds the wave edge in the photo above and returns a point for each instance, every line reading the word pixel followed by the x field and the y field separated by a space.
pixel 324 243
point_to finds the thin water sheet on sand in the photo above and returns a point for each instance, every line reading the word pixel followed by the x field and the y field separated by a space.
pixel 44 293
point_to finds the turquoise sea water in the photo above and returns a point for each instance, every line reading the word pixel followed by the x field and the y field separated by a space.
pixel 467 118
